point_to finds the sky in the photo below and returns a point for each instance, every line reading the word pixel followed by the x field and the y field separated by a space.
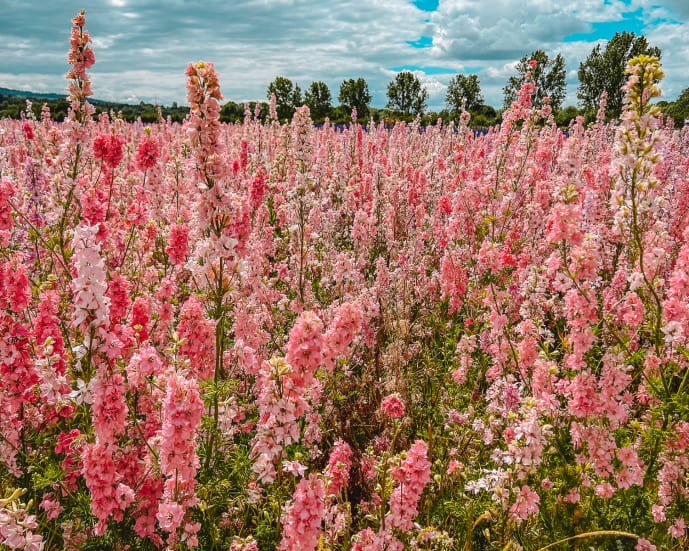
pixel 142 47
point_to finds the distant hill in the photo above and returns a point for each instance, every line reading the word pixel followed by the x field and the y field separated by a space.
pixel 25 94
pixel 13 102
pixel 30 95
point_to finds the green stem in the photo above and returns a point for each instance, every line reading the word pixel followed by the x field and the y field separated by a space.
pixel 595 534
pixel 112 181
pixel 219 350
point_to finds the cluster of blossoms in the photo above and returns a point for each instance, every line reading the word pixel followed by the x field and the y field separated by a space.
pixel 411 477
pixel 392 406
pixel 284 386
pixel 108 148
pixel 182 411
pixel 80 57
pixel 90 284
pixel 302 519
pixel 148 151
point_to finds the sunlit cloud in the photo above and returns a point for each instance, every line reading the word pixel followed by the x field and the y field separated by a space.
pixel 143 46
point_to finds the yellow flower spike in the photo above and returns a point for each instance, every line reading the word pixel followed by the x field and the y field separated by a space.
pixel 648 73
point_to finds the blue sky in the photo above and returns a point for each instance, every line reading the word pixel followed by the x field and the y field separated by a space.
pixel 143 46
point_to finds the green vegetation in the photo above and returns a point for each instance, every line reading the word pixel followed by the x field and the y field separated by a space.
pixel 549 75
pixel 604 71
pixel 407 95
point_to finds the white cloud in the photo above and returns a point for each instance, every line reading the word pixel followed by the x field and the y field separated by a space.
pixel 143 46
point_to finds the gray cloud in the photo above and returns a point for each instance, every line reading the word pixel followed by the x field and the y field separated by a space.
pixel 143 46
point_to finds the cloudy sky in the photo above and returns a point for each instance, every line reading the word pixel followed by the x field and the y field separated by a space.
pixel 143 46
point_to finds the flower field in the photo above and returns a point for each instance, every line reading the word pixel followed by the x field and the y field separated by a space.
pixel 277 336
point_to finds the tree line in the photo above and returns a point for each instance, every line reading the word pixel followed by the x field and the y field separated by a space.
pixel 601 72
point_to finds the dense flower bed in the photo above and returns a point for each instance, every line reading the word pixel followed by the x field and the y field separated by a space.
pixel 265 336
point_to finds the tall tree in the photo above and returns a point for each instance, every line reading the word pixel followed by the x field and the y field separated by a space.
pixel 407 94
pixel 319 100
pixel 287 96
pixel 549 76
pixel 678 109
pixel 603 71
pixel 354 93
pixel 464 92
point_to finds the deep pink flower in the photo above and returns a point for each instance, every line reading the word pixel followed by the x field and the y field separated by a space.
pixel 27 129
pixel 109 149
pixel 177 243
pixel 393 406
pixel 339 465
pixel 147 152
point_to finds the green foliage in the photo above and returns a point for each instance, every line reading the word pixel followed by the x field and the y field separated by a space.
pixel 464 92
pixel 678 110
pixel 235 112
pixel 406 94
pixel 549 75
pixel 319 100
pixel 355 94
pixel 484 116
pixel 564 116
pixel 604 71
pixel 287 97
pixel 12 106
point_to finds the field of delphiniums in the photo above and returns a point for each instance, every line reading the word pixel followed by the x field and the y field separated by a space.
pixel 266 336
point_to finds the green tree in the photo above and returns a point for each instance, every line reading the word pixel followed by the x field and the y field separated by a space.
pixel 603 71
pixel 678 109
pixel 355 94
pixel 549 75
pixel 319 100
pixel 407 94
pixel 464 92
pixel 287 96
pixel 565 115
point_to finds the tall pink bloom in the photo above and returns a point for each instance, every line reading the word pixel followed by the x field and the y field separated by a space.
pixel 91 305
pixel 344 328
pixel 177 243
pixel 199 334
pixel 7 190
pixel 80 57
pixel 109 497
pixel 304 349
pixel 203 125
pixel 339 465
pixel 301 522
pixel 182 412
pixel 411 477
pixel 109 407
